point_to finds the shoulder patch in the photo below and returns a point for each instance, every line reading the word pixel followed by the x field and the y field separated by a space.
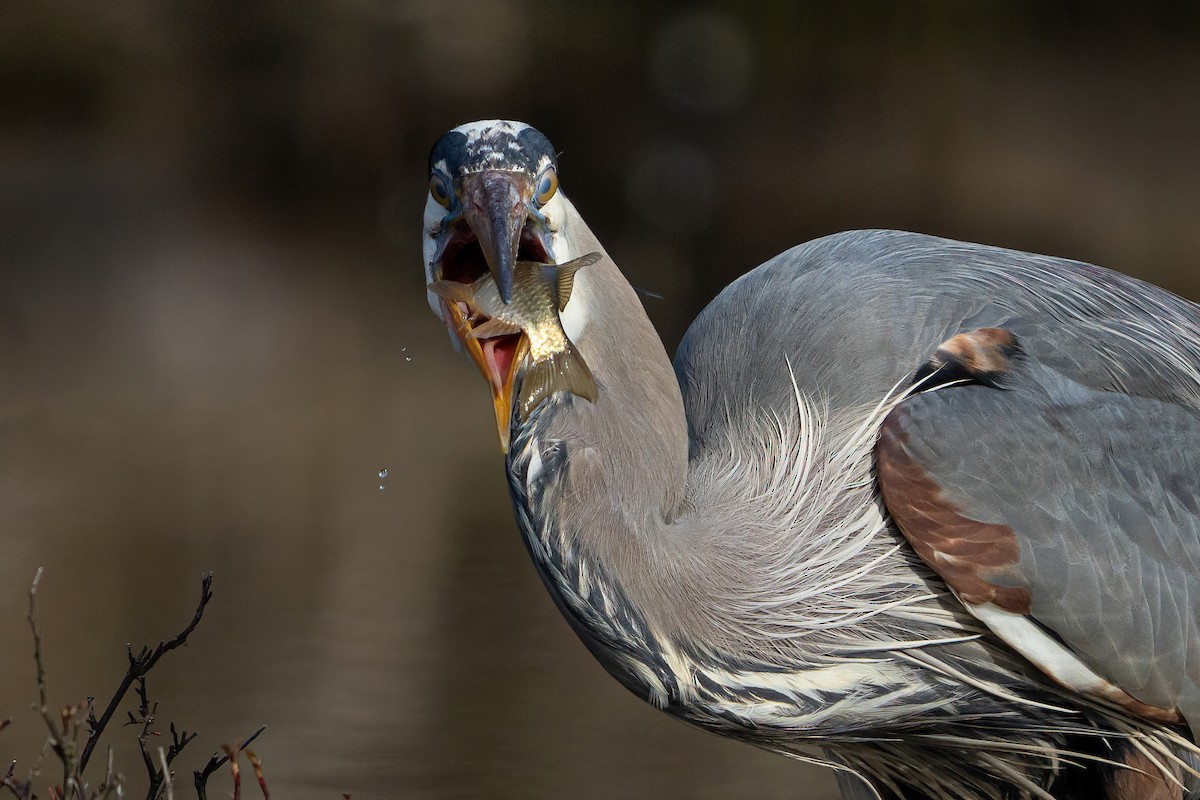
pixel 970 556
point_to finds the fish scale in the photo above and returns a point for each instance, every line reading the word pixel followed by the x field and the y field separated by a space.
pixel 540 292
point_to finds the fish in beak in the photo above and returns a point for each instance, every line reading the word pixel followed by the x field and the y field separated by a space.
pixel 497 357
pixel 500 335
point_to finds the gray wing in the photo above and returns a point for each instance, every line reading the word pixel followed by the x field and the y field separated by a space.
pixel 856 313
pixel 1080 474
pixel 1050 506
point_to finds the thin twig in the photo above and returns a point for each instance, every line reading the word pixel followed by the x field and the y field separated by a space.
pixel 233 767
pixel 7 781
pixel 160 779
pixel 138 667
pixel 143 700
pixel 147 720
pixel 166 773
pixel 37 638
pixel 179 740
pixel 216 762
pixel 36 769
pixel 256 762
pixel 58 734
pixel 107 786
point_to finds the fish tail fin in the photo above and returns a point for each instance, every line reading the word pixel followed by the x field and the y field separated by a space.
pixel 564 371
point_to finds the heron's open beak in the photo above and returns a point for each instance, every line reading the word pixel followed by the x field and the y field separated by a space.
pixel 496 204
pixel 498 226
pixel 497 358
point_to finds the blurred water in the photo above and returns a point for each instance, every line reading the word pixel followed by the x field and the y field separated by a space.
pixel 216 354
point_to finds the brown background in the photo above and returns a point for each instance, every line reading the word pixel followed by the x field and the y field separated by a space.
pixel 213 331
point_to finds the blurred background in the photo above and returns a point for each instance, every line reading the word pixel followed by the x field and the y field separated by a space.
pixel 214 339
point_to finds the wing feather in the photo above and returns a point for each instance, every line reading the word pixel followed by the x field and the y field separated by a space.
pixel 1068 508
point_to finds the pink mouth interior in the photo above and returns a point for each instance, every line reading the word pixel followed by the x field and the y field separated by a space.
pixel 498 354
pixel 463 261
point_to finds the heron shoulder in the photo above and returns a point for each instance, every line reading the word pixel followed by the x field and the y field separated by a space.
pixel 837 313
pixel 854 313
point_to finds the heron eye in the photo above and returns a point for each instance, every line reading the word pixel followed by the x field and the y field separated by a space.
pixel 547 185
pixel 439 188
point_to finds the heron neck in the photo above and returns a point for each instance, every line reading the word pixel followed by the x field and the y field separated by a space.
pixel 634 435
pixel 599 487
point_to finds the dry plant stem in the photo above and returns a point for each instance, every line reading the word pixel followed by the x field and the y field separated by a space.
pixel 216 762
pixel 36 769
pixel 37 638
pixel 66 729
pixel 147 720
pixel 256 762
pixel 7 782
pixel 139 665
pixel 163 779
pixel 106 788
pixel 160 779
pixel 166 772
pixel 233 768
pixel 58 740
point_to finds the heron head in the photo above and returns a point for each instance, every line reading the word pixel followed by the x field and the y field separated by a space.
pixel 493 201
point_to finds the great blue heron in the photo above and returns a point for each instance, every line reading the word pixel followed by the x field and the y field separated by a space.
pixel 930 508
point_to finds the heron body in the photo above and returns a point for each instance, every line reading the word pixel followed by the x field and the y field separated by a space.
pixel 983 584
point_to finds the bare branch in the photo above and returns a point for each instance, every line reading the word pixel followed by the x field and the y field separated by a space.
pixel 67 726
pixel 37 638
pixel 148 720
pixel 107 786
pixel 36 769
pixel 138 667
pixel 216 762
pixel 7 782
pixel 232 755
pixel 143 700
pixel 58 733
pixel 179 740
pixel 166 774
pixel 56 737
pixel 161 780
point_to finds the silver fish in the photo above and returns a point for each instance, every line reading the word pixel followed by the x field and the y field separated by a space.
pixel 540 293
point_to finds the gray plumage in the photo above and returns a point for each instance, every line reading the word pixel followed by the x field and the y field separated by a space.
pixel 714 531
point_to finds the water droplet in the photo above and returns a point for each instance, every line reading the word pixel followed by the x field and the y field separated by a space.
pixel 383 472
pixel 381 487
pixel 408 358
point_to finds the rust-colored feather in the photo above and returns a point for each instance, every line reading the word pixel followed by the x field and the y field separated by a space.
pixel 968 555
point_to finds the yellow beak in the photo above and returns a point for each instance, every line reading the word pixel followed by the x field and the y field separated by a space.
pixel 498 369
